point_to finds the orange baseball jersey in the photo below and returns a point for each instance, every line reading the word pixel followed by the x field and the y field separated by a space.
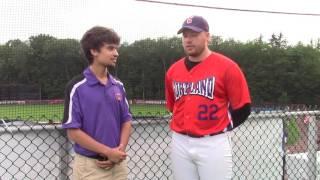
pixel 200 98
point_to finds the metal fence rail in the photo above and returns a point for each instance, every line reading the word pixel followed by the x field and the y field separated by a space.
pixel 270 145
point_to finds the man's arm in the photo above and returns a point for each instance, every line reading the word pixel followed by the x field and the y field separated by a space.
pixel 238 95
pixel 240 115
pixel 169 94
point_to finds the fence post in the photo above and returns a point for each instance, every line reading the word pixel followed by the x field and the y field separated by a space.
pixel 63 154
pixel 284 153
pixel 312 148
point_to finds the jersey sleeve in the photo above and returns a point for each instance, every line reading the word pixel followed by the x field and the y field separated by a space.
pixel 125 110
pixel 236 87
pixel 169 93
pixel 72 113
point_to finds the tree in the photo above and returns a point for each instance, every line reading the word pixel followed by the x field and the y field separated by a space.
pixel 278 41
pixel 276 72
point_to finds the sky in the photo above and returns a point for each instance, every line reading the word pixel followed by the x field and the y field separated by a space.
pixel 134 20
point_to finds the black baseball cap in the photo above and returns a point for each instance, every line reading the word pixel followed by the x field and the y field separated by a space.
pixel 195 23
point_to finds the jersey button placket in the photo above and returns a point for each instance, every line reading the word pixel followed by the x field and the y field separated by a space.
pixel 107 90
pixel 187 114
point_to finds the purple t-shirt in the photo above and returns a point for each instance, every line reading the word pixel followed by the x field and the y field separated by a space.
pixel 97 109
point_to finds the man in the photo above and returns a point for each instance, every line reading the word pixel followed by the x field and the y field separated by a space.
pixel 96 113
pixel 203 90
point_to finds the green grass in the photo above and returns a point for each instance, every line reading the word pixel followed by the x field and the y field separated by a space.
pixel 293 132
pixel 54 112
pixel 148 110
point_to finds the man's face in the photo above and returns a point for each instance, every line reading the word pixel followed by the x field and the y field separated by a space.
pixel 194 43
pixel 107 55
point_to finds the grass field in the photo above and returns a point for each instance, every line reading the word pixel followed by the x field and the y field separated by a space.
pixel 293 132
pixel 54 112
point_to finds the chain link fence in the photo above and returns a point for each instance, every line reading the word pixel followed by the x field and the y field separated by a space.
pixel 277 143
pixel 19 92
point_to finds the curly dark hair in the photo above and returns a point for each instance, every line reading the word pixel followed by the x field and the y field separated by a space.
pixel 95 38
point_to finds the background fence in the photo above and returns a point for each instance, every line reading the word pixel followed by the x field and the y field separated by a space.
pixel 273 144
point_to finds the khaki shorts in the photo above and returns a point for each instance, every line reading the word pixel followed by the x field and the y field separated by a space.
pixel 85 168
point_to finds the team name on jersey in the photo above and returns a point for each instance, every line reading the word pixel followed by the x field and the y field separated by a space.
pixel 203 87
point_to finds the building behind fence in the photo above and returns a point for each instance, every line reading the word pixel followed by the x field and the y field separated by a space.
pixel 278 144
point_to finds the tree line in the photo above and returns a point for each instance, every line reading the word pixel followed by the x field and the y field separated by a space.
pixel 276 72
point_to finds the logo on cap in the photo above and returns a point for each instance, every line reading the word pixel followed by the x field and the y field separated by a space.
pixel 195 23
pixel 189 20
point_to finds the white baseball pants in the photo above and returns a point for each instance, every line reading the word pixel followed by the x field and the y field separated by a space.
pixel 206 158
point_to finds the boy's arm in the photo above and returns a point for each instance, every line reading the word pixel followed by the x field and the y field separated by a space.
pixel 85 141
pixel 126 118
pixel 125 134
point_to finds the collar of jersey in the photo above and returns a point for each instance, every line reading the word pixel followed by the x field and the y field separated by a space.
pixel 92 79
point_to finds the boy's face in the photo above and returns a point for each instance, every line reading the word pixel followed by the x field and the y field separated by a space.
pixel 107 55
